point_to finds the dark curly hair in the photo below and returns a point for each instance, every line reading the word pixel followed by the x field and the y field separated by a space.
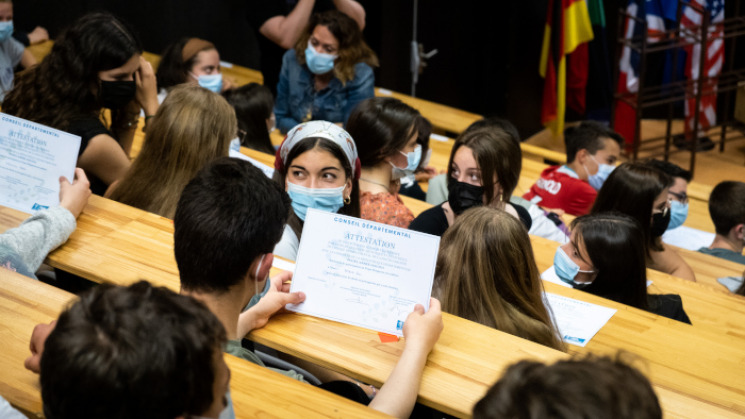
pixel 64 87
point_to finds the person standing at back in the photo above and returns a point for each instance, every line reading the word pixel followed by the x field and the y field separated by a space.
pixel 592 152
pixel 279 23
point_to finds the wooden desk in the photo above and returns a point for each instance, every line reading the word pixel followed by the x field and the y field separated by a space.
pixel 708 268
pixel 442 117
pixel 256 391
pixel 119 244
pixel 465 362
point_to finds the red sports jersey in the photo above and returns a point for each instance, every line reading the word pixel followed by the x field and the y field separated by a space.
pixel 557 189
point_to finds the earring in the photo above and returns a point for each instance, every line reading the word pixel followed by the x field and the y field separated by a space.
pixel 347 200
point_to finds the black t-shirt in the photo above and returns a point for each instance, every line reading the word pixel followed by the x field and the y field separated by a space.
pixel 259 11
pixel 88 128
pixel 668 305
pixel 433 221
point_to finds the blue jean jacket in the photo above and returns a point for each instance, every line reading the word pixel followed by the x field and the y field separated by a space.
pixel 297 96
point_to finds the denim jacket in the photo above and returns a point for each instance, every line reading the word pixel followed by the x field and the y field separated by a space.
pixel 297 96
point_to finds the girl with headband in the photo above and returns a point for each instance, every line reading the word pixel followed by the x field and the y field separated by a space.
pixel 190 60
pixel 318 166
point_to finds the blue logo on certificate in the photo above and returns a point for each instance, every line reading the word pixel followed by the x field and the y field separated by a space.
pixel 573 339
pixel 399 325
pixel 37 207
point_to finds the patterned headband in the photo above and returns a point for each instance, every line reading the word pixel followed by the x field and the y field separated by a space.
pixel 319 129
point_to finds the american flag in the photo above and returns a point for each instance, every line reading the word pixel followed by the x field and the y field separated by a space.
pixel 713 62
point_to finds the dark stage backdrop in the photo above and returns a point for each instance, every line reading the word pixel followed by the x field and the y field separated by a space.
pixel 488 50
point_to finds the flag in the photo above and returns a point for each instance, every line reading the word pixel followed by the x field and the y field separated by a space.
pixel 567 27
pixel 656 13
pixel 713 62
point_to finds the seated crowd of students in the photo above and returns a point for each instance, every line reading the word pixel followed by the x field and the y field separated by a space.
pixel 345 152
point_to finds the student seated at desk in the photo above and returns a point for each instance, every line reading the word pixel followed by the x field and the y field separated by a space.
pixel 96 63
pixel 543 223
pixel 317 165
pixel 727 211
pixel 24 248
pixel 228 220
pixel 641 192
pixel 327 73
pixel 592 151
pixel 12 52
pixel 190 60
pixel 678 191
pixel 253 104
pixel 484 169
pixel 192 127
pixel 606 257
pixel 410 182
pixel 384 130
pixel 134 352
pixel 569 389
pixel 486 273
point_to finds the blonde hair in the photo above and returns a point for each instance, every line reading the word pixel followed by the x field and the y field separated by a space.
pixel 486 273
pixel 192 127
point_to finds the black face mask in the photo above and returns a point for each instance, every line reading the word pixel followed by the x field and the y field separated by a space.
pixel 115 94
pixel 463 196
pixel 659 223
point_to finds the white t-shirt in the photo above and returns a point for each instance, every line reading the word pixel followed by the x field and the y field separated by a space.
pixel 288 244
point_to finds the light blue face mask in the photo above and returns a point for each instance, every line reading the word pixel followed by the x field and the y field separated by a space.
pixel 212 82
pixel 566 269
pixel 678 214
pixel 324 199
pixel 235 144
pixel 318 63
pixel 412 162
pixel 6 29
pixel 597 180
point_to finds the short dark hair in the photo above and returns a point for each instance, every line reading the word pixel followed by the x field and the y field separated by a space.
pixel 615 245
pixel 381 126
pixel 497 152
pixel 124 352
pixel 583 388
pixel 590 136
pixel 227 216
pixel 671 169
pixel 727 205
pixel 253 104
pixel 631 189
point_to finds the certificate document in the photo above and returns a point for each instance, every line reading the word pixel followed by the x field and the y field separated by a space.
pixel 32 158
pixel 361 272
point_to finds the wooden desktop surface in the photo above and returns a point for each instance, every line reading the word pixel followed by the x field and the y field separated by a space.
pixel 118 244
pixel 256 391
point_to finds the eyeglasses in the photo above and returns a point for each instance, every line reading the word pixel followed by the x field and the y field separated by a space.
pixel 665 210
pixel 682 196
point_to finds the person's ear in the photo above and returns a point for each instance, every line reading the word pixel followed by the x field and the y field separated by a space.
pixel 347 193
pixel 266 266
pixel 740 232
pixel 582 156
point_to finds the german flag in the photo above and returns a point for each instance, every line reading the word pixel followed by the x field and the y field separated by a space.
pixel 567 26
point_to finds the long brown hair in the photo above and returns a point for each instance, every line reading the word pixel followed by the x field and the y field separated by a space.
pixel 352 46
pixel 498 155
pixel 486 273
pixel 192 127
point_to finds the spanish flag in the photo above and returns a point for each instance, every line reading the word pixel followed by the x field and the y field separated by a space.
pixel 567 26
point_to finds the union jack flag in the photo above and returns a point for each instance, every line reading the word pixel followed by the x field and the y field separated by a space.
pixel 713 62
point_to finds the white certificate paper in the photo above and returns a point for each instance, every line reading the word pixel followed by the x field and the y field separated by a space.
pixel 32 158
pixel 577 320
pixel 361 272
